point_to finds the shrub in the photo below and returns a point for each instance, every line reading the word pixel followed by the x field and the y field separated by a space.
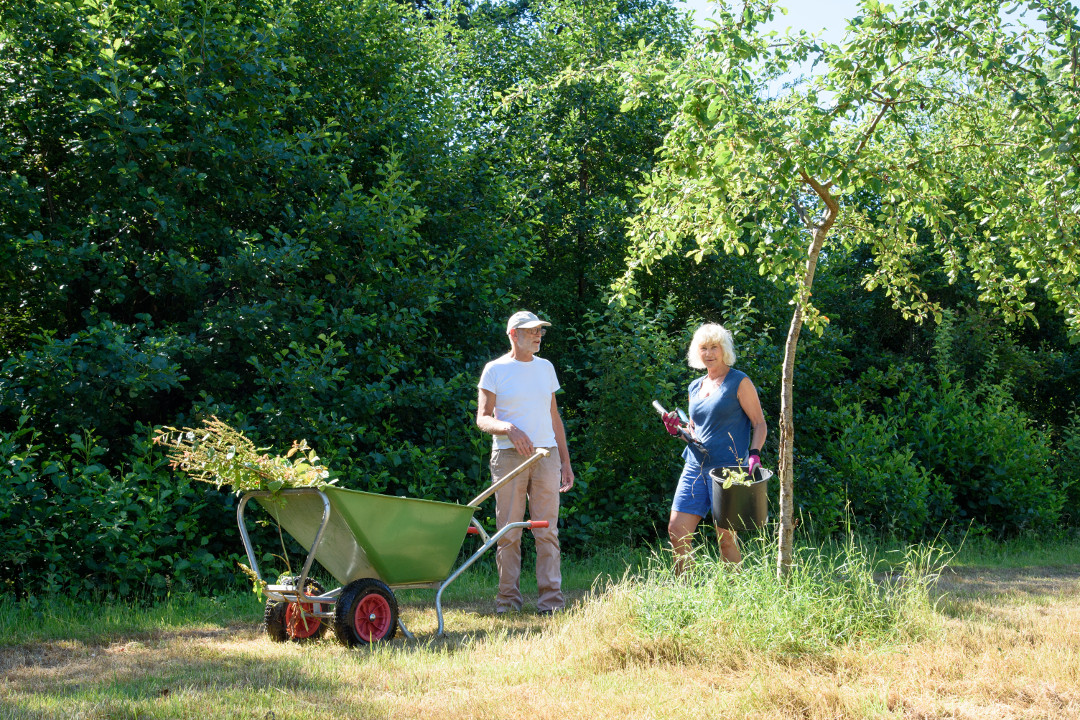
pixel 884 485
pixel 631 357
pixel 914 449
pixel 1065 468
pixel 69 524
pixel 982 446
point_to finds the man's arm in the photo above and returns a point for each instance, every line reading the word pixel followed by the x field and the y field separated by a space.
pixel 567 480
pixel 486 421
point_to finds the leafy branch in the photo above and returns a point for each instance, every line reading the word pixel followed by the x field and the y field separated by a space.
pixel 219 454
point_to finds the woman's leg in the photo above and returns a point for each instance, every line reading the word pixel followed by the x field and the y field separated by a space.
pixel 729 545
pixel 681 527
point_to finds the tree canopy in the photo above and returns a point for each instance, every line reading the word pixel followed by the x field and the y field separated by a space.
pixel 937 129
pixel 311 219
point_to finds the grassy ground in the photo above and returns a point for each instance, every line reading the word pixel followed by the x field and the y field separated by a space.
pixel 849 636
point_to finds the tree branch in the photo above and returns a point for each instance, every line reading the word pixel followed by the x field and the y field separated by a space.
pixel 866 138
pixel 833 207
pixel 803 214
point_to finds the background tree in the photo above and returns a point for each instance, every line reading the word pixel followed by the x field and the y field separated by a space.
pixel 217 207
pixel 920 106
pixel 579 160
pixel 311 218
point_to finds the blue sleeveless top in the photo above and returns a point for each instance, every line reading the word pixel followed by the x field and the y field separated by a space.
pixel 719 423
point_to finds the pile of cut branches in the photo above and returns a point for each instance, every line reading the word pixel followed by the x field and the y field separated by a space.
pixel 221 455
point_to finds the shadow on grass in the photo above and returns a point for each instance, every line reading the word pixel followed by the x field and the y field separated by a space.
pixel 969 593
pixel 974 582
pixel 155 676
pixel 229 672
pixel 186 671
pixel 243 645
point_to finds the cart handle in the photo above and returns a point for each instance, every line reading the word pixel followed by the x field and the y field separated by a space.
pixel 533 525
pixel 495 486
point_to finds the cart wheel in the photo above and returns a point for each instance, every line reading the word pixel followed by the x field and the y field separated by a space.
pixel 366 612
pixel 285 621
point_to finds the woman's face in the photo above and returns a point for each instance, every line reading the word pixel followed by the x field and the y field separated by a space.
pixel 712 354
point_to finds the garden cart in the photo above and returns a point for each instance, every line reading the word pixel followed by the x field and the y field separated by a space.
pixel 372 545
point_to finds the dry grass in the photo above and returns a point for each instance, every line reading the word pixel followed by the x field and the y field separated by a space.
pixel 1006 644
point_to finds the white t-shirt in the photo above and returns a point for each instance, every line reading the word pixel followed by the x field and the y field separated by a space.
pixel 523 393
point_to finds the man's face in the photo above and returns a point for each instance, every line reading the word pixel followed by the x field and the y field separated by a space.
pixel 528 339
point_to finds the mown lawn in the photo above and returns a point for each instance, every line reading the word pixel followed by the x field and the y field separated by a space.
pixel 981 638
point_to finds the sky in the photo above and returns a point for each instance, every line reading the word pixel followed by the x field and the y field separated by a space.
pixel 810 15
pixel 830 16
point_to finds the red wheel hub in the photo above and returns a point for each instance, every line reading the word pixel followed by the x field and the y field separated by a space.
pixel 299 622
pixel 372 617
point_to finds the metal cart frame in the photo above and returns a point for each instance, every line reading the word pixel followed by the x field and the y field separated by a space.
pixel 350 562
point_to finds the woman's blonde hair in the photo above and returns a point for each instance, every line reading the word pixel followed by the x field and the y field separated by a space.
pixel 710 333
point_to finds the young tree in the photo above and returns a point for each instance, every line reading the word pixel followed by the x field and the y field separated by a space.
pixel 942 119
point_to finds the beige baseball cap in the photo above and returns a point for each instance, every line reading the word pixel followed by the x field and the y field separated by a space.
pixel 524 319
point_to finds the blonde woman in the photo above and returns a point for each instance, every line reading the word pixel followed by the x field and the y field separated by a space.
pixel 726 417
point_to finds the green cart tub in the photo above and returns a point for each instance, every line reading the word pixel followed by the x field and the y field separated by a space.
pixel 371 544
pixel 399 540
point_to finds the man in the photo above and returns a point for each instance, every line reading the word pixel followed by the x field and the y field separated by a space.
pixel 517 407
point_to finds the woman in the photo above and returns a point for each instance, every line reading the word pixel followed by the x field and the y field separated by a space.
pixel 726 417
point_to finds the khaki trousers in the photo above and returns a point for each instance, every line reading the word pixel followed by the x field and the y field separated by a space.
pixel 539 486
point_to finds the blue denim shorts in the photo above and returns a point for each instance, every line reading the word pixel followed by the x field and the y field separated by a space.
pixel 694 493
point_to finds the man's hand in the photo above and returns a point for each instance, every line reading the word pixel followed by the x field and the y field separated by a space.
pixel 521 441
pixel 567 480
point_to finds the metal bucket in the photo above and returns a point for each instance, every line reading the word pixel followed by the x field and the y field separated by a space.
pixel 740 507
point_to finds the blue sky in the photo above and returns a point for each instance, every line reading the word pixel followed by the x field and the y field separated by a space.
pixel 811 15
pixel 830 16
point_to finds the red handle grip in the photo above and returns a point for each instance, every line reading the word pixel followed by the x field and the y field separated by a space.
pixel 472 530
pixel 534 524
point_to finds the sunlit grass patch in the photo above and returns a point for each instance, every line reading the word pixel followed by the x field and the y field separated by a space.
pixel 851 634
pixel 834 595
pixel 79 620
pixel 1023 551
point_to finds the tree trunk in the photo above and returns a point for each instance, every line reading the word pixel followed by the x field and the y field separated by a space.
pixel 787 381
pixel 787 417
pixel 787 442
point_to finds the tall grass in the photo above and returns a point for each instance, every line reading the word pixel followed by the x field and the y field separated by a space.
pixel 836 594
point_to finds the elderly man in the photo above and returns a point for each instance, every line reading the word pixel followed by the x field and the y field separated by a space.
pixel 517 407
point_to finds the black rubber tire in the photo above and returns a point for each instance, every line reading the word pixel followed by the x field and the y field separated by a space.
pixel 274 620
pixel 377 607
pixel 276 616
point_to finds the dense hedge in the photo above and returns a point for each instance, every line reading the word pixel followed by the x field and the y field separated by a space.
pixel 311 219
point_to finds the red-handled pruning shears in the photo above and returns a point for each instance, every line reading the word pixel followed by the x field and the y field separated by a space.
pixel 675 424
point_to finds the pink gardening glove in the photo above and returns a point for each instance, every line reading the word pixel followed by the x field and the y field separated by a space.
pixel 671 422
pixel 752 464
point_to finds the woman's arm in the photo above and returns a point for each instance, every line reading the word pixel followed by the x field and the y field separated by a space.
pixel 751 405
